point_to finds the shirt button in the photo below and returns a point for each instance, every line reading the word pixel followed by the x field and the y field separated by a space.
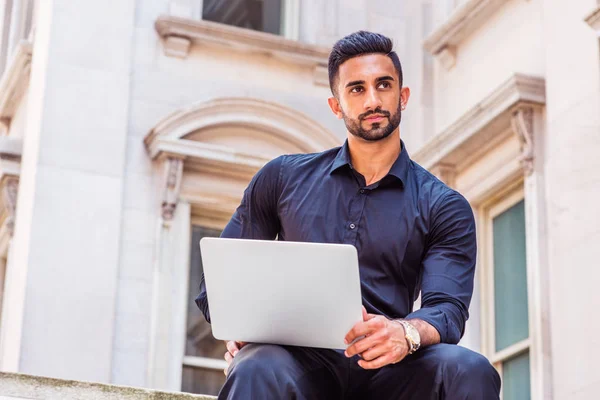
pixel 362 191
pixel 352 226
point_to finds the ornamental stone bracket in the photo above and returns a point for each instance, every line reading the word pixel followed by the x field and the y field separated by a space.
pixel 10 166
pixel 445 172
pixel 522 125
pixel 10 189
pixel 173 174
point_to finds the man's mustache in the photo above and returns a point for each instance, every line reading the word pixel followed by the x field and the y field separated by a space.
pixel 376 111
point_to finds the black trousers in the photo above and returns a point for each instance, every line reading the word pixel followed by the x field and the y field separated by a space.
pixel 442 371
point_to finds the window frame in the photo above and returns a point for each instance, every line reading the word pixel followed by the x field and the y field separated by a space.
pixel 289 24
pixel 204 363
pixel 487 212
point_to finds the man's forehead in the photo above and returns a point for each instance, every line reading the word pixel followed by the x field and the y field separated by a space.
pixel 369 66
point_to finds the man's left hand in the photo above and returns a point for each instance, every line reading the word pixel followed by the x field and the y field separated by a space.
pixel 384 341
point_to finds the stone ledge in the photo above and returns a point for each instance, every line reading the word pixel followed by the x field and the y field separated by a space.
pixel 20 387
pixel 179 34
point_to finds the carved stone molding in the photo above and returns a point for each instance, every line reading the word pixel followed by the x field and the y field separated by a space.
pixel 10 189
pixel 593 20
pixel 480 126
pixel 172 186
pixel 445 172
pixel 522 125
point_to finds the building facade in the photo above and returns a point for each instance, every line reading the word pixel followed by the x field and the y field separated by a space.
pixel 131 128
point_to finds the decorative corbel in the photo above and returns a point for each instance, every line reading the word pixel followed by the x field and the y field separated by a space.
pixel 522 125
pixel 4 126
pixel 10 190
pixel 445 172
pixel 447 57
pixel 172 186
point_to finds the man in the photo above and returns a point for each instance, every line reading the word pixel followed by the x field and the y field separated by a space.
pixel 413 234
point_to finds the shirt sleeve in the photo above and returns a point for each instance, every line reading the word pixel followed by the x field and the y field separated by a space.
pixel 255 218
pixel 449 269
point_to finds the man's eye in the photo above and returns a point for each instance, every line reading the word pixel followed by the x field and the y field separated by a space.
pixel 356 89
pixel 384 85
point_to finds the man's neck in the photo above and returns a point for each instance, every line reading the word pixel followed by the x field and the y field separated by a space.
pixel 373 160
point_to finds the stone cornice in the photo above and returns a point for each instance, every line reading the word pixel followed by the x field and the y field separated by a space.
pixel 198 155
pixel 190 31
pixel 479 126
pixel 15 81
pixel 593 19
pixel 467 18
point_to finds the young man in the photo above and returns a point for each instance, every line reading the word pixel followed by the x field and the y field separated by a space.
pixel 413 234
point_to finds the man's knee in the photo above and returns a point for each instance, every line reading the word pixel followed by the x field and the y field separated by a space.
pixel 260 361
pixel 460 364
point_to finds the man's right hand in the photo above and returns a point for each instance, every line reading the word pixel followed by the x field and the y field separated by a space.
pixel 232 349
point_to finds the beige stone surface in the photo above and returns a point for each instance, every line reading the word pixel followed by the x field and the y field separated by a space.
pixel 21 386
pixel 573 189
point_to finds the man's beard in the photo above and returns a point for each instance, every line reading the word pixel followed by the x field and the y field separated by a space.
pixel 377 132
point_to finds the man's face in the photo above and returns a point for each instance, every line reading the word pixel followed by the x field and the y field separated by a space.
pixel 369 96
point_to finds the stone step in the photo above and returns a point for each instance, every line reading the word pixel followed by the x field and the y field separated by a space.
pixel 29 387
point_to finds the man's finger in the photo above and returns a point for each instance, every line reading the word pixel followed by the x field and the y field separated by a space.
pixel 228 357
pixel 364 344
pixel 232 347
pixel 241 344
pixel 376 363
pixel 375 352
pixel 364 328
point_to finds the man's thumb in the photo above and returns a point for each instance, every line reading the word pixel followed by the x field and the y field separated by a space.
pixel 366 315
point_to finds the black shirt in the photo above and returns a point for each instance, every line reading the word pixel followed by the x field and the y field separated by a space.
pixel 412 232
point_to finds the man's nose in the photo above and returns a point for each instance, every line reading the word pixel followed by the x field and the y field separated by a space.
pixel 372 100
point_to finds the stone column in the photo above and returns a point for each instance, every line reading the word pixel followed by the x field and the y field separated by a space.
pixel 572 169
pixel 62 278
pixel 170 291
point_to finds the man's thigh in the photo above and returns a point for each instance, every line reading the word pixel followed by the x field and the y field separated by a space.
pixel 440 371
pixel 288 371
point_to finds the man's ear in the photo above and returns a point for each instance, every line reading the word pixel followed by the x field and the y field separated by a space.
pixel 334 104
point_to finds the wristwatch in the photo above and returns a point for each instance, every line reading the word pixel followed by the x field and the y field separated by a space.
pixel 412 335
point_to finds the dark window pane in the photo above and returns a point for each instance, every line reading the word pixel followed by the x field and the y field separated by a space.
pixel 510 277
pixel 202 381
pixel 259 15
pixel 199 339
pixel 516 379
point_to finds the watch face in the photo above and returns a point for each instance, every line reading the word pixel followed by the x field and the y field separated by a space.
pixel 414 334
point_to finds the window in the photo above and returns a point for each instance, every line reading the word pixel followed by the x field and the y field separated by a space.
pixel 278 17
pixel 507 322
pixel 203 362
pixel 16 19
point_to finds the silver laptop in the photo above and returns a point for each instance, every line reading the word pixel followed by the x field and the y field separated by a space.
pixel 302 294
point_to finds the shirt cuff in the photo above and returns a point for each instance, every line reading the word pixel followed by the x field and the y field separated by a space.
pixel 437 317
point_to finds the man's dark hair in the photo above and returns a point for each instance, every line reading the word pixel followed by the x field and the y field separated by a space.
pixel 358 44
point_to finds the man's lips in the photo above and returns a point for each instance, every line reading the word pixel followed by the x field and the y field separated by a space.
pixel 375 118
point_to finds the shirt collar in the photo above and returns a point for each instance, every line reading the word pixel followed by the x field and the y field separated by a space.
pixel 399 169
